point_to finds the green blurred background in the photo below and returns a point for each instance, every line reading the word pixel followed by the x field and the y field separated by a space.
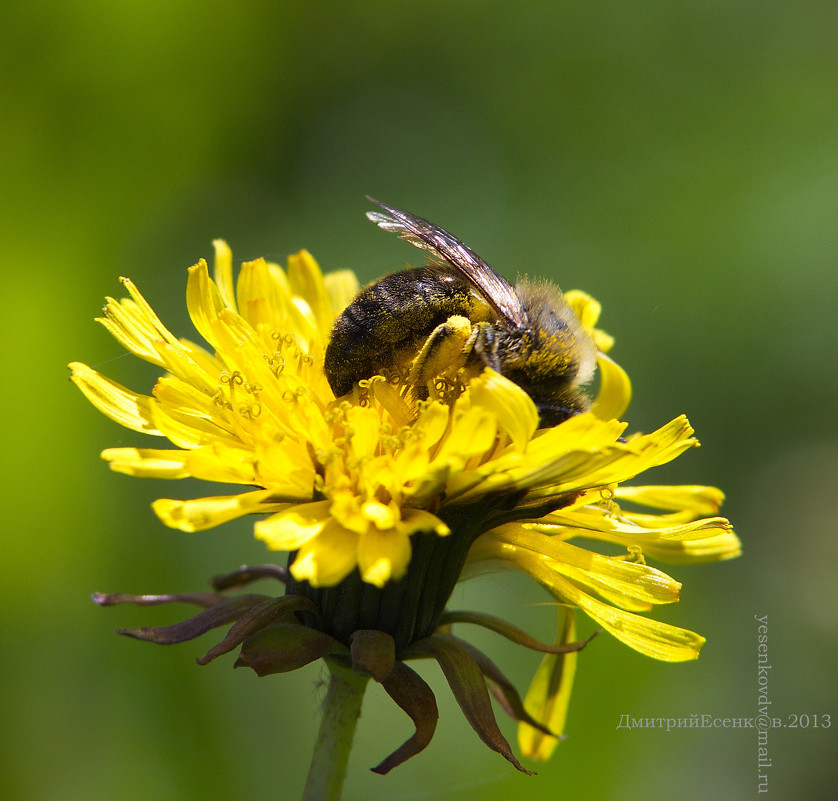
pixel 678 160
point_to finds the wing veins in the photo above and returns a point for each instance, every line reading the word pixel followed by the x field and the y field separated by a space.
pixel 493 287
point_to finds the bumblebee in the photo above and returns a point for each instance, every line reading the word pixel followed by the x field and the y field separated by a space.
pixel 458 312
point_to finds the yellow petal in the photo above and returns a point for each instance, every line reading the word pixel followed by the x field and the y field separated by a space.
pixel 614 393
pixel 392 401
pixel 701 500
pixel 306 282
pixel 611 577
pixel 583 432
pixel 287 464
pixel 513 408
pixel 181 396
pixel 419 520
pixel 128 325
pixel 342 287
pixel 431 424
pixel 472 433
pixel 364 425
pixel 127 408
pixel 586 308
pixel 381 516
pixel 263 293
pixel 203 300
pixel 147 462
pixel 346 509
pixel 649 637
pixel 706 539
pixel 191 364
pixel 203 513
pixel 560 459
pixel 224 463
pixel 383 555
pixel 222 272
pixel 188 430
pixel 619 461
pixel 725 545
pixel 549 694
pixel 409 463
pixel 294 526
pixel 135 325
pixel 328 558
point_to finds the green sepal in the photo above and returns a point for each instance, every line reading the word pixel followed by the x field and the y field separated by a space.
pixel 373 652
pixel 273 610
pixel 283 647
pixel 204 599
pixel 465 678
pixel 246 574
pixel 416 698
pixel 221 613
pixel 511 632
pixel 502 688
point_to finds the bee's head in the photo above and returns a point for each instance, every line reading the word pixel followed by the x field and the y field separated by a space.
pixel 551 358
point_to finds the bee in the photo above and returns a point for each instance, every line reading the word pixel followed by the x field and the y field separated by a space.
pixel 457 310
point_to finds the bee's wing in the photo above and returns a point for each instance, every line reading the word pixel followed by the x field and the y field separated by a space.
pixel 498 292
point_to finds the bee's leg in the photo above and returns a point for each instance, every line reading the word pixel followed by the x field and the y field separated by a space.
pixel 442 350
pixel 481 350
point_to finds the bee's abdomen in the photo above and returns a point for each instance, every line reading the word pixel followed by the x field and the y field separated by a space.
pixel 393 315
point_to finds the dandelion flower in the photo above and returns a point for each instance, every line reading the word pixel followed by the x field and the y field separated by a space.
pixel 384 499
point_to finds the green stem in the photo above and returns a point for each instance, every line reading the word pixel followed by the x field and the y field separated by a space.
pixel 341 709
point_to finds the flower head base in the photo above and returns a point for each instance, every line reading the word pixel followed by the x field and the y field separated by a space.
pixel 384 501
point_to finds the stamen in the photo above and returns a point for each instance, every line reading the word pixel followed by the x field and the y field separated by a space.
pixel 250 411
pixel 293 396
